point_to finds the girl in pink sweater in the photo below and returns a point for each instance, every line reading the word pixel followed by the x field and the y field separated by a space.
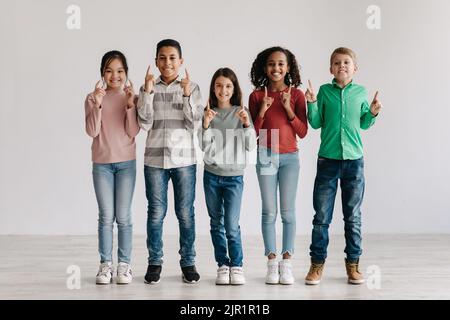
pixel 112 123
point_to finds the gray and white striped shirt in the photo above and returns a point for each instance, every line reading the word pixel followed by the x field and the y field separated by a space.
pixel 171 121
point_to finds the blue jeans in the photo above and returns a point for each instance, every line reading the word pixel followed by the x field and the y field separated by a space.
pixel 351 174
pixel 114 188
pixel 278 170
pixel 156 184
pixel 223 199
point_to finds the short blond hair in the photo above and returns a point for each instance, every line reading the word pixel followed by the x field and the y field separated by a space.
pixel 346 51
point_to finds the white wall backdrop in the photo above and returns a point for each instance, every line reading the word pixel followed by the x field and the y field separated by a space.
pixel 47 70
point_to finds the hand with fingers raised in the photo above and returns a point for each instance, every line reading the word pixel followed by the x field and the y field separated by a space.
pixel 286 98
pixel 149 81
pixel 266 103
pixel 208 115
pixel 186 84
pixel 99 93
pixel 310 94
pixel 129 91
pixel 243 116
pixel 375 106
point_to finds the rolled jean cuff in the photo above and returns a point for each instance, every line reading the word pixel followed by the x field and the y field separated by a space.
pixel 289 251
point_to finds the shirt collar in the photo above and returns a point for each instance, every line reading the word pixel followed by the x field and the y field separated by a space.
pixel 159 80
pixel 334 82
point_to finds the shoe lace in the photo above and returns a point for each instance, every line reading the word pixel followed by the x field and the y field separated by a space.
pixel 223 270
pixel 105 269
pixel 237 270
pixel 315 268
pixel 286 269
pixel 353 267
pixel 123 268
pixel 273 268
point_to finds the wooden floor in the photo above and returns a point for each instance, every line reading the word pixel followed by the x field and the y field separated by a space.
pixel 398 267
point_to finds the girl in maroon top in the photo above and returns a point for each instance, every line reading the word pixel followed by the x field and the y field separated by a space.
pixel 278 111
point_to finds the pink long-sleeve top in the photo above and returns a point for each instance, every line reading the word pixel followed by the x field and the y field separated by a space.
pixel 113 128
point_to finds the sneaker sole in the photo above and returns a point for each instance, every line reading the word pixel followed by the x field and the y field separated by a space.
pixel 103 283
pixel 152 282
pixel 356 281
pixel 312 282
pixel 123 281
pixel 222 283
pixel 190 282
pixel 272 283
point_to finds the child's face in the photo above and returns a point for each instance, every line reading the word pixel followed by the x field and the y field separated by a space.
pixel 115 75
pixel 276 66
pixel 343 68
pixel 223 89
pixel 168 62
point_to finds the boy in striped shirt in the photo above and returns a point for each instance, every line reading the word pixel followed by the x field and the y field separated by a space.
pixel 169 108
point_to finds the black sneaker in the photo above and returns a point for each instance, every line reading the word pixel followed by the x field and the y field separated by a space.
pixel 190 274
pixel 153 274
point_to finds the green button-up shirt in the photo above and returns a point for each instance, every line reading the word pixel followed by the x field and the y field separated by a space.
pixel 341 113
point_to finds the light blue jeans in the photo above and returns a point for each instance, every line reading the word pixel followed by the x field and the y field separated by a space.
pixel 114 187
pixel 278 171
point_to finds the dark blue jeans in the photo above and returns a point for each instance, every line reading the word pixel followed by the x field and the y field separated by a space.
pixel 351 174
pixel 223 199
pixel 156 184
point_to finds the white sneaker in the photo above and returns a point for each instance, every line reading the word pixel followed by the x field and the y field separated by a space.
pixel 105 272
pixel 273 276
pixel 124 273
pixel 286 276
pixel 237 276
pixel 223 275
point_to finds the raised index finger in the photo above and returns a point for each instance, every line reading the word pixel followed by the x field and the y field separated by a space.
pixel 99 84
pixel 265 92
pixel 148 71
pixel 375 98
pixel 310 85
pixel 187 73
pixel 207 105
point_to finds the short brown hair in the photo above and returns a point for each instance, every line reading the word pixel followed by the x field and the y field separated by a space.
pixel 346 51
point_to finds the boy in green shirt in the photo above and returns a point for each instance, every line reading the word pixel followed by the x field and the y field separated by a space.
pixel 340 110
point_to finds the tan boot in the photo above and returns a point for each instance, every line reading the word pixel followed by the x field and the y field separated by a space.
pixel 354 276
pixel 314 274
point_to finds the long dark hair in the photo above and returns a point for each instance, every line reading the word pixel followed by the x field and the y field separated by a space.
pixel 109 57
pixel 236 98
pixel 258 76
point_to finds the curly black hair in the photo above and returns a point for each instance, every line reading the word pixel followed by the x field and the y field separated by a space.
pixel 258 76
